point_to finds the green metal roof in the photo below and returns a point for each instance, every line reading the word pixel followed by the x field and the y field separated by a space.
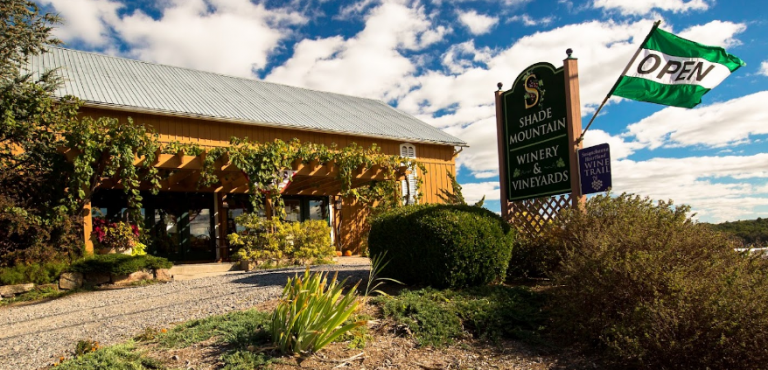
pixel 127 84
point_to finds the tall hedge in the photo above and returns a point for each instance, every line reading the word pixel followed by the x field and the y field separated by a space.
pixel 442 245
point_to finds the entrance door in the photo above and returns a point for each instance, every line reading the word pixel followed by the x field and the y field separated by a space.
pixel 182 226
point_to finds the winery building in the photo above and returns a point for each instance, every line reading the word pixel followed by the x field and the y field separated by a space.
pixel 208 109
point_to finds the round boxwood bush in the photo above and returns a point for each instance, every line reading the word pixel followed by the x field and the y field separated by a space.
pixel 443 246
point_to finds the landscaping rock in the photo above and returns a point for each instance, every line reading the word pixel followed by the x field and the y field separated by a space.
pixel 70 280
pixel 46 286
pixel 8 291
pixel 163 275
pixel 98 278
pixel 122 280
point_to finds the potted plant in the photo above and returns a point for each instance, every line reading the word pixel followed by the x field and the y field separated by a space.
pixel 114 237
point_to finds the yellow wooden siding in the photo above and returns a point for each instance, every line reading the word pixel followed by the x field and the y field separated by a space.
pixel 438 159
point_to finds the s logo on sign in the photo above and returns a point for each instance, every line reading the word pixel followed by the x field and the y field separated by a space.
pixel 532 91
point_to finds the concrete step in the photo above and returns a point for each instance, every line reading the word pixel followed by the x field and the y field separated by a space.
pixel 204 268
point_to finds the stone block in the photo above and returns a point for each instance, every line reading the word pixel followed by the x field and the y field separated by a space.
pixel 70 280
pixel 97 278
pixel 8 291
pixel 122 280
pixel 163 275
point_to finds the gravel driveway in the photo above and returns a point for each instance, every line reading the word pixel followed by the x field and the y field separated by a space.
pixel 36 335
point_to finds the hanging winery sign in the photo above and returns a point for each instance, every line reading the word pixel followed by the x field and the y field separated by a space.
pixel 536 136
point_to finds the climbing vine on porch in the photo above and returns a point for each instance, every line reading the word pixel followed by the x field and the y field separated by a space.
pixel 261 163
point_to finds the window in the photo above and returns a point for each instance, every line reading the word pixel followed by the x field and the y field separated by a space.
pixel 408 186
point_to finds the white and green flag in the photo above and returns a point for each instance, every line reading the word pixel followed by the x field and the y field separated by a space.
pixel 670 70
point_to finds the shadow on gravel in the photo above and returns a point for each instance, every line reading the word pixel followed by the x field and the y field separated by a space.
pixel 279 277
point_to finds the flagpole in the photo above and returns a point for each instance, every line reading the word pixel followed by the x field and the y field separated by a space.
pixel 616 84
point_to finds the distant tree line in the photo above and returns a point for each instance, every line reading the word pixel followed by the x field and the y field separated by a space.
pixel 753 232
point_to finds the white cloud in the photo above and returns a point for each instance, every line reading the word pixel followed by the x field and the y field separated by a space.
pixel 86 20
pixel 225 36
pixel 643 7
pixel 477 24
pixel 233 38
pixel 764 68
pixel 475 191
pixel 715 125
pixel 371 63
pixel 527 20
pixel 460 57
pixel 693 181
pixel 715 33
pixel 620 148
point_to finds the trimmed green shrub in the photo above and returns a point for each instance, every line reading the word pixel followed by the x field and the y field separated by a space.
pixel 442 245
pixel 119 264
pixel 658 290
pixel 45 273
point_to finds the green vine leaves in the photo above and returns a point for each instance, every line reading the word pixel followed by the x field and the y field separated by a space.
pixel 109 149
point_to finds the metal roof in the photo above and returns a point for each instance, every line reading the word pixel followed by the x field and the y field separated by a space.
pixel 127 84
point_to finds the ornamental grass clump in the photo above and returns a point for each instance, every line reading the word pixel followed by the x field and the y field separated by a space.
pixel 311 313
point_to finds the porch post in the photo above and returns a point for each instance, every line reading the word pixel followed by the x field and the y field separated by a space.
pixel 87 227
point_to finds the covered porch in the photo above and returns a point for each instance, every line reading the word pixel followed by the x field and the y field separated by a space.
pixel 190 221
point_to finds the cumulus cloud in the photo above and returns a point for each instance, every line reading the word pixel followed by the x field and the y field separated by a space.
pixel 477 24
pixel 370 64
pixel 231 37
pixel 715 33
pixel 716 125
pixel 88 21
pixel 473 192
pixel 527 20
pixel 643 7
pixel 695 181
pixel 764 68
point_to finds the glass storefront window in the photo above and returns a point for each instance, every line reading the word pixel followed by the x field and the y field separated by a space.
pixel 318 209
pixel 293 210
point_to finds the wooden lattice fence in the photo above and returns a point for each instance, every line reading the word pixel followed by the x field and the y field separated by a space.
pixel 529 216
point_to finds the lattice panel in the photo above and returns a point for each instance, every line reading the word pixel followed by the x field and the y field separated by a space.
pixel 529 216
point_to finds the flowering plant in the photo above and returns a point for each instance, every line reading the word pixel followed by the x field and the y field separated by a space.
pixel 120 235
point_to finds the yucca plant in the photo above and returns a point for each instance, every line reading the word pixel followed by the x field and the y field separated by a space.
pixel 311 313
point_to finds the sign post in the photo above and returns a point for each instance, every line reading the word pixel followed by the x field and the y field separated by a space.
pixel 538 124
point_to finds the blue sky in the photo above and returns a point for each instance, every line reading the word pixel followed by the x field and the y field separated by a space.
pixel 440 60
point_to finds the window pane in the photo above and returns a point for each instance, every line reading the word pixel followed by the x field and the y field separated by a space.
pixel 318 209
pixel 292 210
pixel 200 229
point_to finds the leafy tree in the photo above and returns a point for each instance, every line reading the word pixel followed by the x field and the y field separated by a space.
pixel 454 196
pixel 33 225
pixel 42 193
pixel 752 232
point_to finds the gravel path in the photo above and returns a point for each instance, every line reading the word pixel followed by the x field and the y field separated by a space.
pixel 36 335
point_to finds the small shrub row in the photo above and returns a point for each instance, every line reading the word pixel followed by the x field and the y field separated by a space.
pixel 494 312
pixel 38 273
pixel 119 264
pixel 442 245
